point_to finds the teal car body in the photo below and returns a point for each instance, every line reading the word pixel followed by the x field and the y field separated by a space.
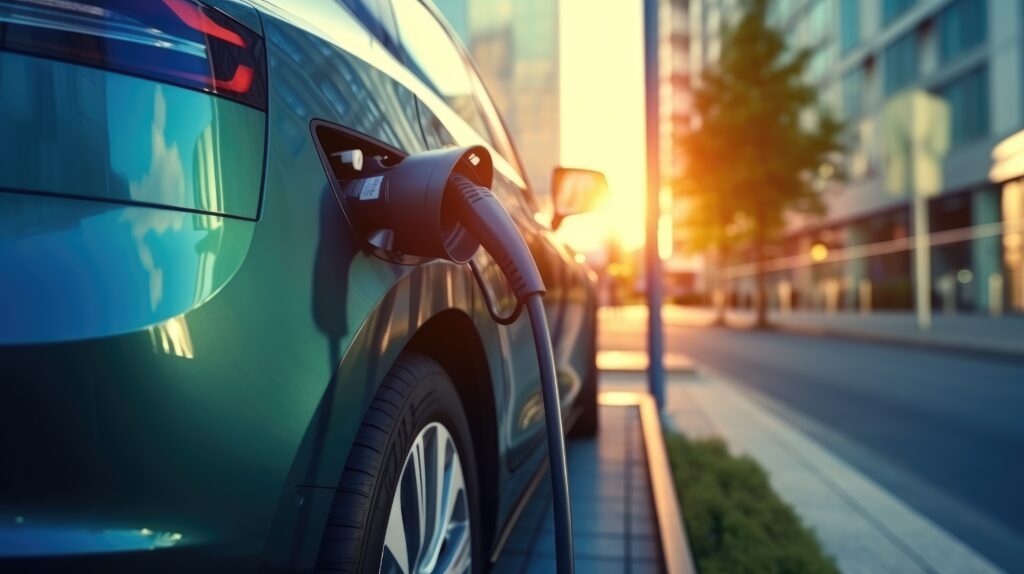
pixel 191 332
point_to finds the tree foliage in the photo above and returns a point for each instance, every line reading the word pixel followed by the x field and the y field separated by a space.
pixel 762 147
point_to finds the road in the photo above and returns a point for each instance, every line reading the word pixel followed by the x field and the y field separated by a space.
pixel 944 432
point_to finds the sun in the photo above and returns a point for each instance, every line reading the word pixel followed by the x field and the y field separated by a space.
pixel 590 232
pixel 602 116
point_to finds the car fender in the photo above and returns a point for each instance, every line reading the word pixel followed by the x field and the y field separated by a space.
pixel 413 300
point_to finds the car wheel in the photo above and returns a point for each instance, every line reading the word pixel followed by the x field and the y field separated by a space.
pixel 408 497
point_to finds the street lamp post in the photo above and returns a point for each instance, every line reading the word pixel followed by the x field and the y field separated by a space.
pixel 922 262
pixel 655 341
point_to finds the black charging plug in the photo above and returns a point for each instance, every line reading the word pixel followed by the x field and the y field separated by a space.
pixel 483 216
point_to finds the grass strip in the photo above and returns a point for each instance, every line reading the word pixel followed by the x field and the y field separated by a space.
pixel 735 521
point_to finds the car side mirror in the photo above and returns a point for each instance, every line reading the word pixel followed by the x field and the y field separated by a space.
pixel 576 191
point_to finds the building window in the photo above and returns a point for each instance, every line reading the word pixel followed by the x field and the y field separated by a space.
pixel 817 22
pixel 853 93
pixel 962 26
pixel 901 63
pixel 774 15
pixel 817 66
pixel 893 9
pixel 967 97
pixel 849 25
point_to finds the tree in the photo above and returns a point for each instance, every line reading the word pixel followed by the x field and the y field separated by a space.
pixel 761 148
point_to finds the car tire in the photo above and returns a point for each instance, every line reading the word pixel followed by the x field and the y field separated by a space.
pixel 414 428
pixel 587 422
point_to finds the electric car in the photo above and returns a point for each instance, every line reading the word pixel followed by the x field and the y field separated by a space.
pixel 205 365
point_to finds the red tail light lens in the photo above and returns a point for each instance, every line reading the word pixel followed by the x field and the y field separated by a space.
pixel 182 42
pixel 193 16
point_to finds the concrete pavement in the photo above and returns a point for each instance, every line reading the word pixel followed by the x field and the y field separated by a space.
pixel 937 432
pixel 862 525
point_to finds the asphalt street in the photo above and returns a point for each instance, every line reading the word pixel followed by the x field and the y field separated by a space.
pixel 943 431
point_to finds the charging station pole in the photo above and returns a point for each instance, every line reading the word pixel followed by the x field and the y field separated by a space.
pixel 652 89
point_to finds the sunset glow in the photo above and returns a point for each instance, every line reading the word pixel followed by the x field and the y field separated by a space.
pixel 602 115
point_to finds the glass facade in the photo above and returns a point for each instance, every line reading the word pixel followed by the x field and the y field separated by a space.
pixel 853 93
pixel 901 64
pixel 893 9
pixel 963 25
pixel 924 76
pixel 818 65
pixel 849 25
pixel 968 101
pixel 817 22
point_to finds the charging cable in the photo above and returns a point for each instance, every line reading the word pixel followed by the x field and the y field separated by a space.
pixel 492 307
pixel 485 218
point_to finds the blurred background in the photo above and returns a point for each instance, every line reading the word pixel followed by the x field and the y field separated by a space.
pixel 841 236
pixel 929 94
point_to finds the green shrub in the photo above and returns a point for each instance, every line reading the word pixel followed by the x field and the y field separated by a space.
pixel 735 521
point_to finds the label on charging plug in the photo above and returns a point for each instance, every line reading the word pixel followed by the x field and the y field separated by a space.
pixel 369 188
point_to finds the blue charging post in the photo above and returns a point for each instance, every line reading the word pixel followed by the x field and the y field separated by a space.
pixel 652 88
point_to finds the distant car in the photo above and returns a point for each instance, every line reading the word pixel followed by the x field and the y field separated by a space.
pixel 202 366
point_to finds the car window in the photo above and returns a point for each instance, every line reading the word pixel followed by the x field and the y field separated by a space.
pixel 502 141
pixel 430 53
pixel 377 17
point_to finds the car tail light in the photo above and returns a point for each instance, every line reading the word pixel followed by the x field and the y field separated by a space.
pixel 181 42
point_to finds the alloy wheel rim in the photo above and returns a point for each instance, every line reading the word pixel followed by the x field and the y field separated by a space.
pixel 428 525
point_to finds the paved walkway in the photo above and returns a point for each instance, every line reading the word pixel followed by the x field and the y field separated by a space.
pixel 613 514
pixel 862 525
pixel 963 332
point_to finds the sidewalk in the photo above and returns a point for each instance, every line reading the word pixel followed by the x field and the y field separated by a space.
pixel 618 520
pixel 1002 336
pixel 862 525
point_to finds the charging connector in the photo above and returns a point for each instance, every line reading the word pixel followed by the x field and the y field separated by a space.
pixel 483 216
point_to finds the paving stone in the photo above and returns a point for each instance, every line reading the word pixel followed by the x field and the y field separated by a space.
pixel 613 511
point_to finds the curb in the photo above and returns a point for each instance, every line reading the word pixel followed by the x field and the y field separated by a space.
pixel 919 343
pixel 635 362
pixel 925 343
pixel 675 545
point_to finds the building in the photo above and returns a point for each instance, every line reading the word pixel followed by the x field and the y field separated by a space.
pixel 929 90
pixel 684 271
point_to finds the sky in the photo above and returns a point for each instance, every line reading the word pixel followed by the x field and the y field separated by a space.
pixel 602 114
